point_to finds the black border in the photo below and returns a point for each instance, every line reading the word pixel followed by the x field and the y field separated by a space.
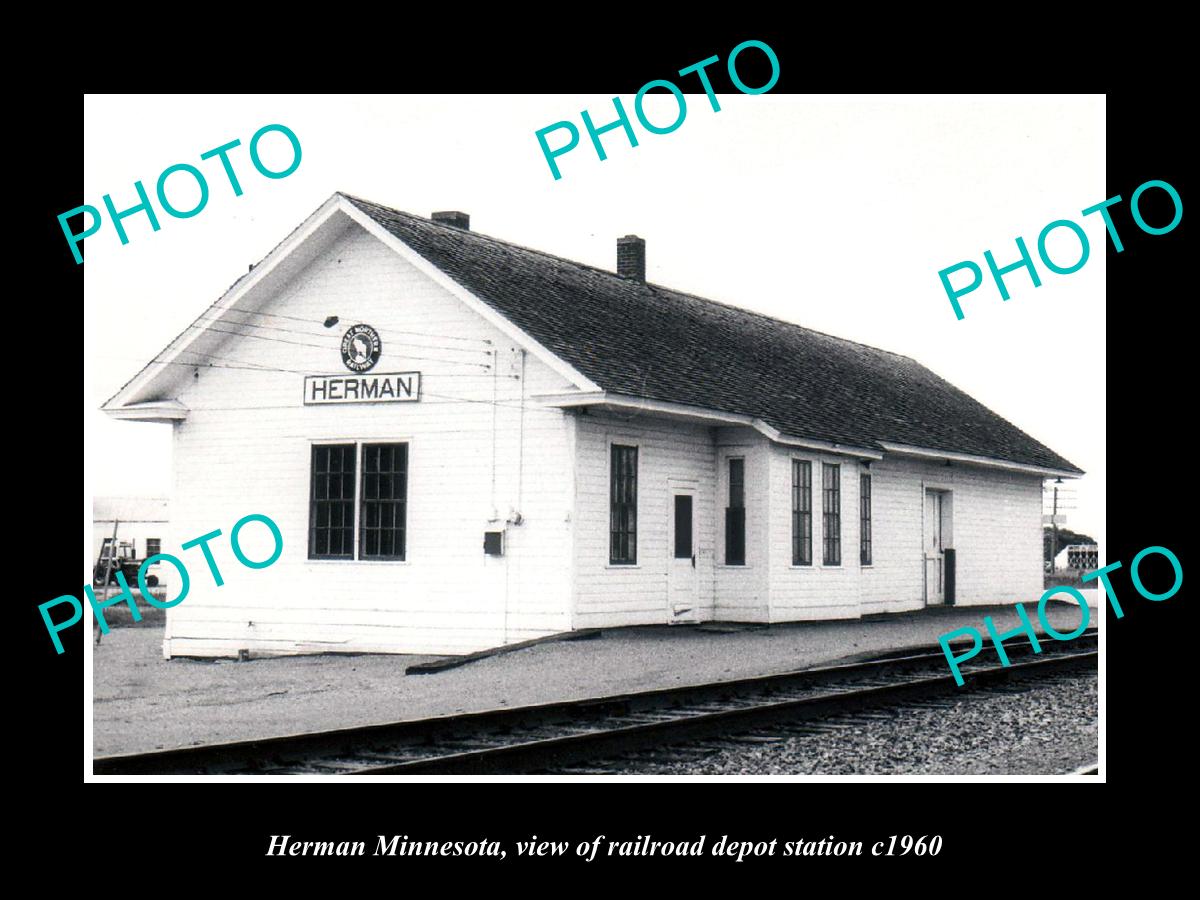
pixel 1007 830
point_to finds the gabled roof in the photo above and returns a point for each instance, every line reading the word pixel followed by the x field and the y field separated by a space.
pixel 643 340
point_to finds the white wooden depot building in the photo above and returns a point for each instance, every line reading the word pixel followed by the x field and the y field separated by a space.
pixel 467 443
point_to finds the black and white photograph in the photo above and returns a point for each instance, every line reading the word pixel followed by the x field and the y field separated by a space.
pixel 529 436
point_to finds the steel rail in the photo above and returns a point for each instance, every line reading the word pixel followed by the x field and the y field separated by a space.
pixel 492 740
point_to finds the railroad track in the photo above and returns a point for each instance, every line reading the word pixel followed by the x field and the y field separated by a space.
pixel 556 735
pixel 866 735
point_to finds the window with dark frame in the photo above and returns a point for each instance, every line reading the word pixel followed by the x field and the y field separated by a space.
pixel 683 526
pixel 735 514
pixel 864 530
pixel 623 506
pixel 383 500
pixel 380 494
pixel 331 502
pixel 832 520
pixel 153 547
pixel 801 512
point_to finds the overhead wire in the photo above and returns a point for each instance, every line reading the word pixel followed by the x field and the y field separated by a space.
pixel 321 323
pixel 335 337
pixel 224 362
pixel 440 399
pixel 313 274
pixel 258 337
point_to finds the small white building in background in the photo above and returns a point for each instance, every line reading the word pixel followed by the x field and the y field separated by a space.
pixel 141 523
pixel 1078 556
pixel 467 443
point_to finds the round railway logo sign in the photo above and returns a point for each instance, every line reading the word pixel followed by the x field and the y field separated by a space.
pixel 361 348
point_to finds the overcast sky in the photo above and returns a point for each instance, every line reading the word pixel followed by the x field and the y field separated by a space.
pixel 833 212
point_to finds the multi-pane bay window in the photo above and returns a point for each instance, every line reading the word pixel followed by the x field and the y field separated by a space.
pixel 623 506
pixel 801 512
pixel 831 523
pixel 864 526
pixel 377 501
pixel 735 515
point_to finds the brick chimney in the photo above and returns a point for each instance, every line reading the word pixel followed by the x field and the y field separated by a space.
pixel 453 217
pixel 631 257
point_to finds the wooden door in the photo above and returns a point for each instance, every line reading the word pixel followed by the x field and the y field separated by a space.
pixel 683 583
pixel 935 558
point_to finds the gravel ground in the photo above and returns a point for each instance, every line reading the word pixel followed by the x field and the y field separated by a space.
pixel 1047 728
pixel 142 702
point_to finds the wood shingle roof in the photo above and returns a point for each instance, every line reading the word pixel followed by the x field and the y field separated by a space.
pixel 643 340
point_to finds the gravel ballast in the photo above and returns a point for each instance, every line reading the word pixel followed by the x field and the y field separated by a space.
pixel 1044 728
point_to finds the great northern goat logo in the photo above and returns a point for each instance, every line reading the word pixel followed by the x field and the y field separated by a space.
pixel 361 348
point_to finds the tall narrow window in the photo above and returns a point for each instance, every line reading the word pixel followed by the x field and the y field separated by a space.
pixel 623 506
pixel 832 521
pixel 331 502
pixel 801 512
pixel 683 526
pixel 735 515
pixel 153 547
pixel 864 528
pixel 382 514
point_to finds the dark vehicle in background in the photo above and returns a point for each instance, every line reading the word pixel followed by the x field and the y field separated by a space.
pixel 125 561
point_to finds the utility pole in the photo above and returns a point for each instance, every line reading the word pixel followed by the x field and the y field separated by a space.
pixel 1054 524
pixel 112 552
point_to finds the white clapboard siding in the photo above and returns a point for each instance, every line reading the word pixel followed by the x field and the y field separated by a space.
pixel 996 533
pixel 895 581
pixel 742 590
pixel 611 595
pixel 245 448
pixel 815 591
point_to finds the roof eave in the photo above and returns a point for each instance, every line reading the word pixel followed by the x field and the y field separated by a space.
pixel 575 399
pixel 169 356
pixel 162 411
pixel 984 461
